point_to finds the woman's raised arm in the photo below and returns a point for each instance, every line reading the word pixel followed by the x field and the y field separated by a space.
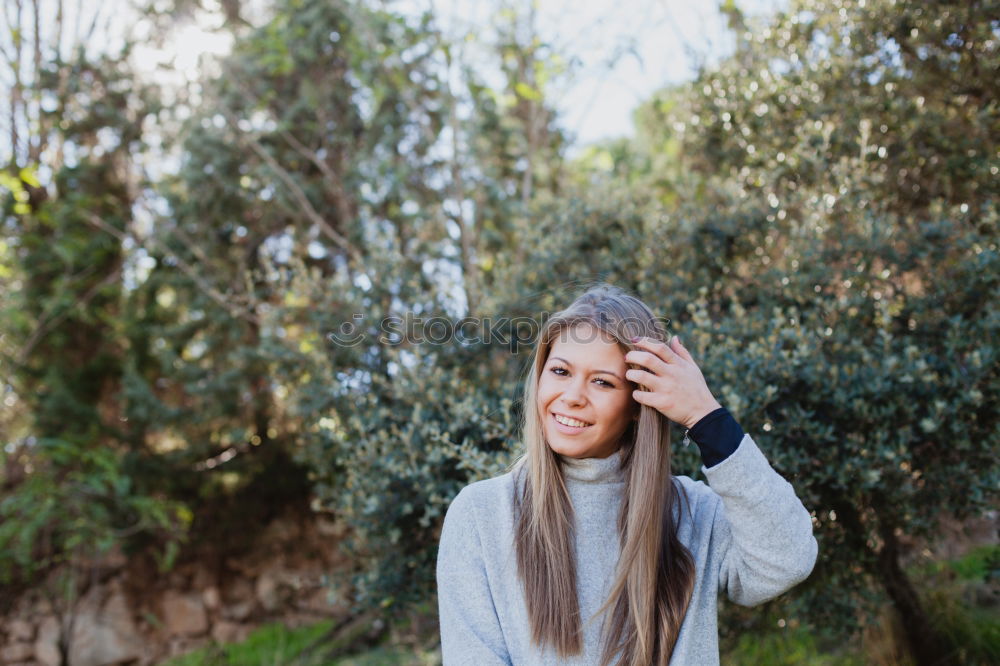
pixel 762 535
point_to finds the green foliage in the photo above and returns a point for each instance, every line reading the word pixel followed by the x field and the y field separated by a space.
pixel 816 216
pixel 371 210
pixel 69 496
pixel 790 648
pixel 980 564
pixel 959 595
pixel 74 506
pixel 398 459
pixel 975 631
pixel 267 646
pixel 275 644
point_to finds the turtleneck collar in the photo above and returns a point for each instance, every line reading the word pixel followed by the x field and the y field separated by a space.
pixel 593 470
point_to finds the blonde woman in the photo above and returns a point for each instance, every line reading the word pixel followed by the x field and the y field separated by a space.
pixel 588 550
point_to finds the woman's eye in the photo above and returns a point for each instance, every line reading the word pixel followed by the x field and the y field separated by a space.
pixel 562 372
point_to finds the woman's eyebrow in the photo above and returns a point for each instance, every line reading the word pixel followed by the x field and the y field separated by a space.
pixel 606 372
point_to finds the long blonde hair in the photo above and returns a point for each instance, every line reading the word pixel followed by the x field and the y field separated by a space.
pixel 655 575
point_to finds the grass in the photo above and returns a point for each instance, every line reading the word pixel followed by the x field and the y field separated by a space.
pixel 976 565
pixel 270 645
pixel 277 645
pixel 975 630
pixel 791 647
pixel 952 601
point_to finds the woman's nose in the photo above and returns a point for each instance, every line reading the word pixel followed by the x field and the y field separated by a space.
pixel 573 395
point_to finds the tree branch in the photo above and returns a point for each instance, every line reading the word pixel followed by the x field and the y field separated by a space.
pixel 298 194
pixel 189 270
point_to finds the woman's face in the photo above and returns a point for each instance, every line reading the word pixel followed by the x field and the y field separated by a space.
pixel 583 379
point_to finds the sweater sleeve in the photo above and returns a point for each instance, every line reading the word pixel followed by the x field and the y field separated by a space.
pixel 762 534
pixel 717 435
pixel 470 628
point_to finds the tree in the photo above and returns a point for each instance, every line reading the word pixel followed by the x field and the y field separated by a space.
pixel 842 212
pixel 418 408
pixel 75 120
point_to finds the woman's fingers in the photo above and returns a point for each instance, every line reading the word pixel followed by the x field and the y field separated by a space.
pixel 655 360
pixel 658 348
pixel 641 377
pixel 647 361
pixel 676 386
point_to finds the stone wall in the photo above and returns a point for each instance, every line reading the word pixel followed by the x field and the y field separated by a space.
pixel 132 615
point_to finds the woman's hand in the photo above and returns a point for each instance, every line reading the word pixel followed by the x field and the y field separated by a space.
pixel 676 387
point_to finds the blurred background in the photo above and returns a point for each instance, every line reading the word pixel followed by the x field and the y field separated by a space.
pixel 269 272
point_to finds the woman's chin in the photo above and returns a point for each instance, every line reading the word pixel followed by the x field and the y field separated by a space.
pixel 575 449
pixel 567 451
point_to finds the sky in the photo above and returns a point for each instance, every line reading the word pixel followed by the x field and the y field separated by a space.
pixel 622 51
pixel 626 50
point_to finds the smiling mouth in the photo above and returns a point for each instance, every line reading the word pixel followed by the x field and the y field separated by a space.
pixel 569 422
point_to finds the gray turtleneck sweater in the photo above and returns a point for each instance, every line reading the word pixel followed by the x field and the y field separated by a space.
pixel 748 533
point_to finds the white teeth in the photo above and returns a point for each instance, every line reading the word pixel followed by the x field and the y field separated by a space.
pixel 570 422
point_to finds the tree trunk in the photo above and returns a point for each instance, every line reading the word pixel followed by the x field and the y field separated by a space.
pixel 928 646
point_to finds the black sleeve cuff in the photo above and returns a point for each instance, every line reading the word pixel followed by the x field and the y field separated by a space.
pixel 717 435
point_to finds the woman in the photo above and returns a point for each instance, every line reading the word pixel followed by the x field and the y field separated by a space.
pixel 584 552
